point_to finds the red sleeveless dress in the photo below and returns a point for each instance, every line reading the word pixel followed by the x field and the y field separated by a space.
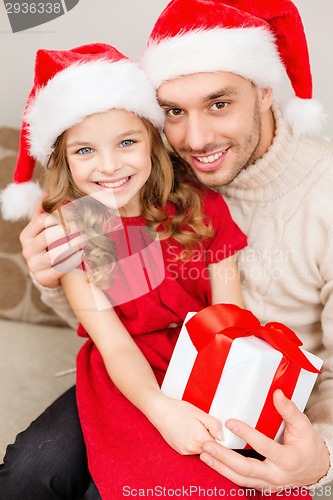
pixel 126 454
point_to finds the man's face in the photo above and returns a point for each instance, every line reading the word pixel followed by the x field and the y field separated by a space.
pixel 214 122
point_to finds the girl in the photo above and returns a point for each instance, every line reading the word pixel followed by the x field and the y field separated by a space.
pixel 92 117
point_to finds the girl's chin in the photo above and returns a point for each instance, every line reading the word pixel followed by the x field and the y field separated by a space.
pixel 108 199
pixel 118 202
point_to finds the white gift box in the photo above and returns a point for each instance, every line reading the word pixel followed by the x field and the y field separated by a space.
pixel 245 381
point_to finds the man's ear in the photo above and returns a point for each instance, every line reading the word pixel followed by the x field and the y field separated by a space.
pixel 265 98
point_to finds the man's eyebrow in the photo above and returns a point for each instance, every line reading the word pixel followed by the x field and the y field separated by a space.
pixel 225 92
pixel 221 93
pixel 167 104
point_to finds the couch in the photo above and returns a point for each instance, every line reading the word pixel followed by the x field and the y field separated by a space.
pixel 37 348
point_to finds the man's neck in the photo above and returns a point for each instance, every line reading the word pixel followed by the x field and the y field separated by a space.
pixel 267 133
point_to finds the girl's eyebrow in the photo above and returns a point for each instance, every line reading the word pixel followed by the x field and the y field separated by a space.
pixel 82 142
pixel 77 143
pixel 129 132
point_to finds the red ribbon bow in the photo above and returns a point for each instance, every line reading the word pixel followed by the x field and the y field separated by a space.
pixel 213 331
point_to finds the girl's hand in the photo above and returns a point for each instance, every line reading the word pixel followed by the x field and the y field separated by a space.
pixel 184 427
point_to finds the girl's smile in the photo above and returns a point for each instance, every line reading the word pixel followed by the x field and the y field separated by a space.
pixel 109 158
pixel 115 183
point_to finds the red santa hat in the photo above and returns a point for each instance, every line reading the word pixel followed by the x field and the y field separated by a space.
pixel 256 39
pixel 70 85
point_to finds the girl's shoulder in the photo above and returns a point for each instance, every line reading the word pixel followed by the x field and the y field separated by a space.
pixel 213 202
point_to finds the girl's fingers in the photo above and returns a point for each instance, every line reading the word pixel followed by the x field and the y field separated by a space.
pixel 213 425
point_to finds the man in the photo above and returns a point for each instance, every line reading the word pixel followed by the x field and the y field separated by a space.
pixel 215 67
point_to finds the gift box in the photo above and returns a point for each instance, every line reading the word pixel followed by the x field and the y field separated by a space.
pixel 229 365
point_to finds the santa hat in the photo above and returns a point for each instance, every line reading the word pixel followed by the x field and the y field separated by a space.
pixel 70 85
pixel 256 39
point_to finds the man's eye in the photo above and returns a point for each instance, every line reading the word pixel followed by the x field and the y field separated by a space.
pixel 84 151
pixel 126 143
pixel 219 105
pixel 174 112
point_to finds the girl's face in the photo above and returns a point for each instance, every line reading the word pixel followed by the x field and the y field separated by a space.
pixel 109 156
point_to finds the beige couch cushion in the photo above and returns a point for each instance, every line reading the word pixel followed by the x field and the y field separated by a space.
pixel 31 357
pixel 19 298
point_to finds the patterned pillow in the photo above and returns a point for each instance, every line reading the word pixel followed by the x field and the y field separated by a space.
pixel 19 298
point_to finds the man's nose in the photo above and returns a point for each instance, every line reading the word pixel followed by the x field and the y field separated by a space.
pixel 199 132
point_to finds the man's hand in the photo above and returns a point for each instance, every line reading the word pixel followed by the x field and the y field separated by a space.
pixel 301 460
pixel 49 265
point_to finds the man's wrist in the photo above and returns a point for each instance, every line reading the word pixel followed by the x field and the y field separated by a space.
pixel 55 289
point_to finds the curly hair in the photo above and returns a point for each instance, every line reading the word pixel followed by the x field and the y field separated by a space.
pixel 170 181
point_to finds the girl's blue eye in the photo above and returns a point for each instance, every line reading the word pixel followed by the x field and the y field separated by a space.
pixel 84 151
pixel 126 143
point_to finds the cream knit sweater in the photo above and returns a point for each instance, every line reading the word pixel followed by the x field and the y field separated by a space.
pixel 284 203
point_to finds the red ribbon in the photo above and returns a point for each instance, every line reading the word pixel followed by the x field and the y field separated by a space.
pixel 213 331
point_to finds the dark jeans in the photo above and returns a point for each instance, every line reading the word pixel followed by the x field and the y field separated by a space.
pixel 48 461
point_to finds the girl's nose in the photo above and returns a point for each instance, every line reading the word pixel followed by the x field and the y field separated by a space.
pixel 109 163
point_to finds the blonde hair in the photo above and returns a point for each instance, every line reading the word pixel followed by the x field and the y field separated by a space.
pixel 170 181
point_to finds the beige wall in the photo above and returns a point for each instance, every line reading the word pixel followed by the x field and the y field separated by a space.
pixel 126 24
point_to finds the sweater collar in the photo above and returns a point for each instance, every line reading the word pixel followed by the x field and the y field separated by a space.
pixel 271 176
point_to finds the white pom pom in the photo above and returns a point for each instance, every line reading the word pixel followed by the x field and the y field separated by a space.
pixel 305 116
pixel 18 201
